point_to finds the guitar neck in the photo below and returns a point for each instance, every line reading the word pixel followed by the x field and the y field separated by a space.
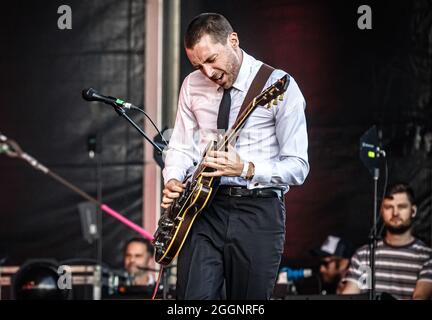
pixel 268 97
pixel 233 132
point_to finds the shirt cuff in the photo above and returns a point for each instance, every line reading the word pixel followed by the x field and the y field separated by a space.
pixel 173 173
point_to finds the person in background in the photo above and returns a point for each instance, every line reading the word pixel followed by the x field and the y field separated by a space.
pixel 334 254
pixel 138 253
pixel 403 265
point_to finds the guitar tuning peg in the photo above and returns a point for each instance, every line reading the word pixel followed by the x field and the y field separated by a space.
pixel 281 97
pixel 275 102
pixel 269 105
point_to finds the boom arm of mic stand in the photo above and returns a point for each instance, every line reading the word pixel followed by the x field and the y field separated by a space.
pixel 19 153
pixel 122 113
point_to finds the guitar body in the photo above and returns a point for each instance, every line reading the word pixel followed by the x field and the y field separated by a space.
pixel 176 222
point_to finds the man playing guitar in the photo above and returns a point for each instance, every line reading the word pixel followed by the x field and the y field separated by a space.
pixel 238 238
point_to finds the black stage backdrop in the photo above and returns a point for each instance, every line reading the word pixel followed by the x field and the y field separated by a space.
pixel 351 79
pixel 44 70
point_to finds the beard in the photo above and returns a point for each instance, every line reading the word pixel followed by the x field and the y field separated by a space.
pixel 232 68
pixel 400 229
pixel 133 269
pixel 333 280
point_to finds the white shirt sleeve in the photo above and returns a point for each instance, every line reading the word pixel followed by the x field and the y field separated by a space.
pixel 292 167
pixel 182 149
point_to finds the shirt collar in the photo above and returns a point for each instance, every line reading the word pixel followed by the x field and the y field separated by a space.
pixel 244 73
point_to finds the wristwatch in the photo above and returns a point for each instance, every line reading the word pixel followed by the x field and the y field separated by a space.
pixel 245 169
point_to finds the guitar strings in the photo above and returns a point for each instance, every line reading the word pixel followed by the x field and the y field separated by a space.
pixel 247 111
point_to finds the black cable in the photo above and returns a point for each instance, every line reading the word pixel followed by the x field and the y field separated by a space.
pixel 154 125
pixel 382 199
pixel 157 282
pixel 384 193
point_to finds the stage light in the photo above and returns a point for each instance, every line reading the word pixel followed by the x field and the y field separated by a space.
pixel 38 280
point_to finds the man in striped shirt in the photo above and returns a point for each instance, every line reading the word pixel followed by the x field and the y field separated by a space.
pixel 403 264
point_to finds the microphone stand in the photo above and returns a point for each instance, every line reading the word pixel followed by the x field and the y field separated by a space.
pixel 122 113
pixel 165 277
pixel 370 154
pixel 373 236
pixel 15 151
pixel 96 155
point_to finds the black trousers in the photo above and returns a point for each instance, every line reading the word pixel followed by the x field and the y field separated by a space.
pixel 235 244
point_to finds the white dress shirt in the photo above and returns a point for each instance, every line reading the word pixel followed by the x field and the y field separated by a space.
pixel 275 139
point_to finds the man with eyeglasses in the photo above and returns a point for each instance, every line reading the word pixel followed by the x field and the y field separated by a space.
pixel 334 254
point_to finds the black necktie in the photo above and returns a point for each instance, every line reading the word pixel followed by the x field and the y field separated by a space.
pixel 224 110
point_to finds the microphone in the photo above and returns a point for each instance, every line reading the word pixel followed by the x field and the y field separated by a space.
pixel 91 94
pixel 119 105
pixel 287 273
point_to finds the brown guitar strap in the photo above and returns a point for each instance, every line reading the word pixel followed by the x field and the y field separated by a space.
pixel 255 88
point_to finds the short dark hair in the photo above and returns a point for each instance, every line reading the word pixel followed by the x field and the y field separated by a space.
pixel 213 24
pixel 400 188
pixel 146 242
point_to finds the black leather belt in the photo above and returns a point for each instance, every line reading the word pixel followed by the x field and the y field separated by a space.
pixel 232 191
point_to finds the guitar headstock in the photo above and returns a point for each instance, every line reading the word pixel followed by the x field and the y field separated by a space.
pixel 272 94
